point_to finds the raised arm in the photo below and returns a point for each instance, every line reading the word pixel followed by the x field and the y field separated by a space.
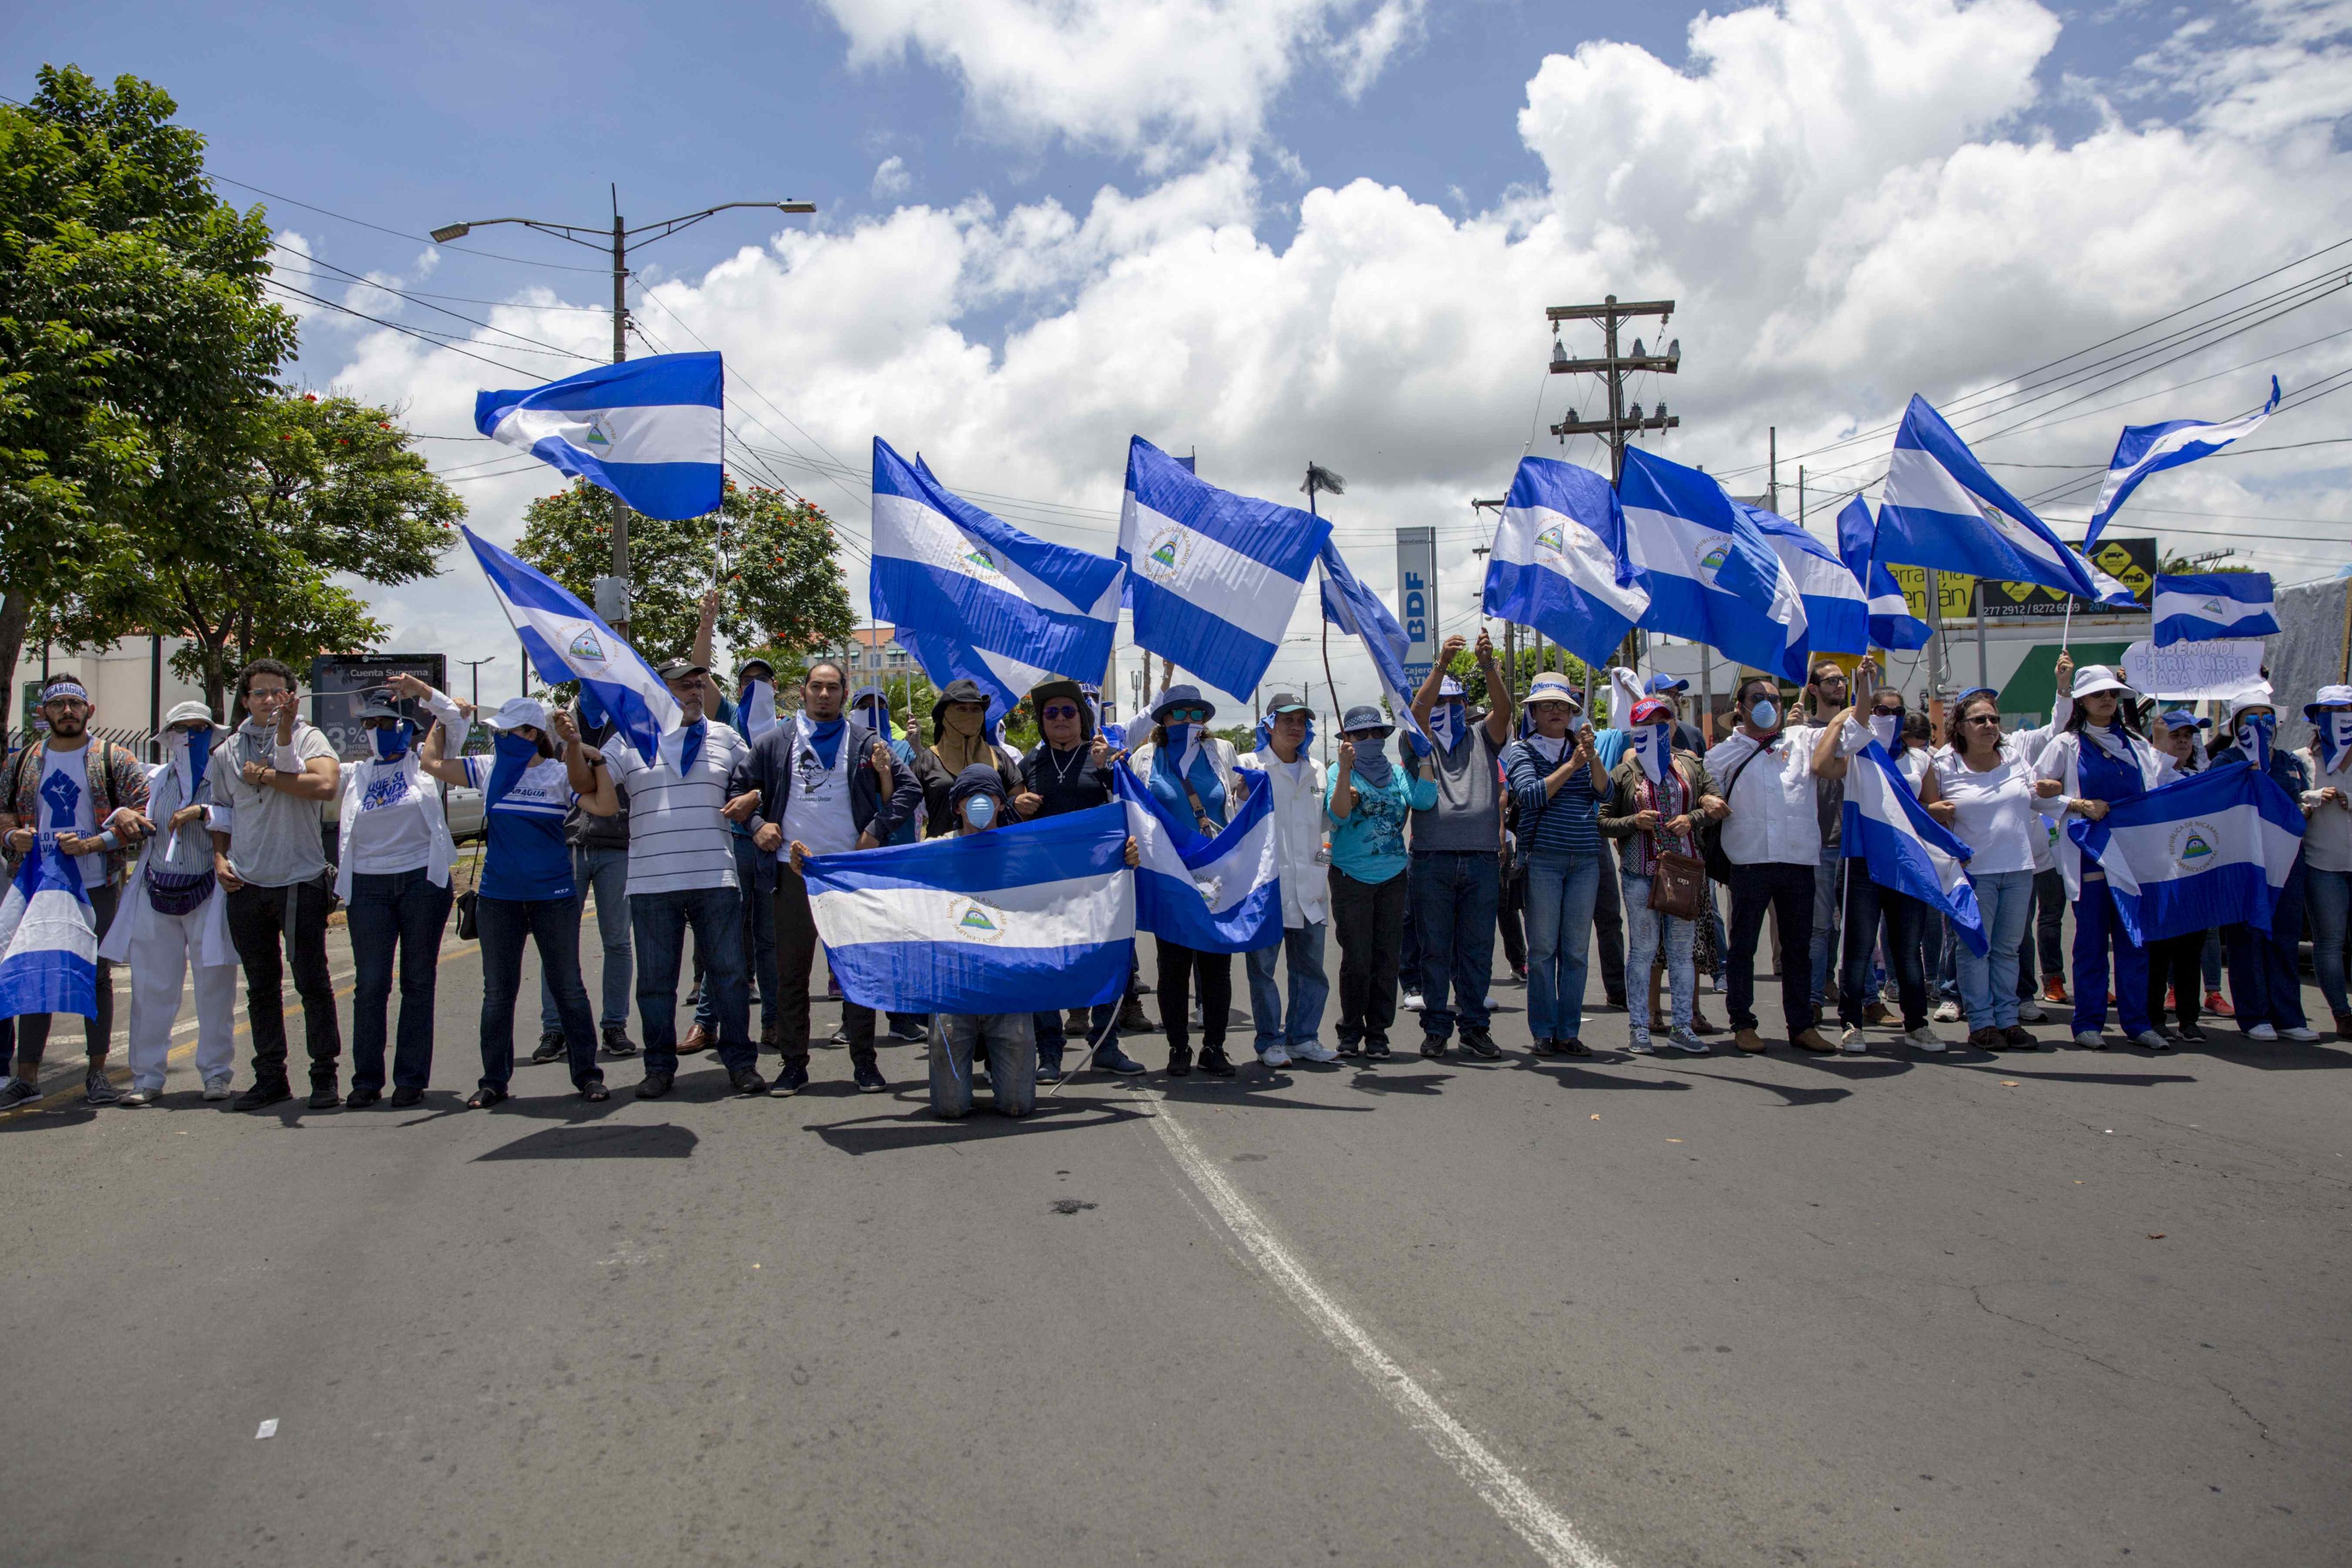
pixel 1500 710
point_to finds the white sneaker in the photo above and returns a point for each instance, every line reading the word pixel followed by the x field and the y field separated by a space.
pixel 2090 1039
pixel 1925 1038
pixel 1947 1013
pixel 1318 1053
pixel 218 1089
pixel 2150 1040
pixel 2030 1013
pixel 1640 1043
pixel 2261 1032
pixel 1409 1001
pixel 1275 1058
pixel 1851 1041
pixel 2301 1034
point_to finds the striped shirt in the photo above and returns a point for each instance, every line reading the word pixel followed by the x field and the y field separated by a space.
pixel 1565 823
pixel 677 835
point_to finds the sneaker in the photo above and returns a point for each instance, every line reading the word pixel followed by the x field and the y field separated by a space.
pixel 1274 1057
pixel 137 1098
pixel 217 1089
pixel 1433 1046
pixel 1572 1047
pixel 2054 990
pixel 2029 1012
pixel 262 1095
pixel 1048 1067
pixel 1179 1061
pixel 1409 1001
pixel 1315 1053
pixel 1110 1059
pixel 1543 1047
pixel 2017 1037
pixel 1987 1039
pixel 838 1039
pixel 98 1089
pixel 653 1085
pixel 2261 1032
pixel 1480 1044
pixel 360 1098
pixel 869 1079
pixel 617 1042
pixel 791 1078
pixel 2299 1032
pixel 1351 1048
pixel 912 1033
pixel 2191 1034
pixel 1638 1042
pixel 2219 1006
pixel 2090 1040
pixel 1946 1013
pixel 1197 1020
pixel 324 1095
pixel 1851 1041
pixel 551 1047
pixel 1684 1041
pixel 2151 1040
pixel 747 1082
pixel 16 1092
pixel 1377 1051
pixel 1215 1063
pixel 1924 1039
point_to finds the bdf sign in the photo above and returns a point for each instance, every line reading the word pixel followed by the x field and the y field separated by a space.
pixel 1417 599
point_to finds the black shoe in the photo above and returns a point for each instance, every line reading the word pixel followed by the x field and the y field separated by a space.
pixel 869 1079
pixel 551 1047
pixel 791 1078
pixel 1048 1067
pixel 324 1095
pixel 1179 1061
pixel 1214 1062
pixel 1542 1047
pixel 16 1092
pixel 1433 1046
pixel 617 1042
pixel 747 1082
pixel 2191 1032
pixel 261 1096
pixel 1376 1050
pixel 2018 1038
pixel 405 1095
pixel 653 1085
pixel 98 1089
pixel 1480 1044
pixel 360 1098
pixel 913 1033
pixel 1572 1047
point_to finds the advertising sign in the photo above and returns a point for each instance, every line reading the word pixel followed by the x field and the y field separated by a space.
pixel 2131 561
pixel 1417 599
pixel 339 681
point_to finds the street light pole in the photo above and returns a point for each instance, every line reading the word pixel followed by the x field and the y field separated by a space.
pixel 474 666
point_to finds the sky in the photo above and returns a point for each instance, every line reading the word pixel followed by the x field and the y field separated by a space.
pixel 1310 229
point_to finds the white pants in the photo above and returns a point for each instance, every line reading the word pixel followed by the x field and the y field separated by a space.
pixel 158 961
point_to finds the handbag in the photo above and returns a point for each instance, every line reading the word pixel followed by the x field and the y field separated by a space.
pixel 466 930
pixel 1710 832
pixel 1678 884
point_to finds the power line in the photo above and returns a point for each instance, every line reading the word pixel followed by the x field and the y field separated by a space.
pixel 396 326
pixel 366 281
pixel 396 233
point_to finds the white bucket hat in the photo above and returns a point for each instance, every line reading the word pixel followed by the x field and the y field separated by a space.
pixel 2094 677
pixel 519 711
pixel 1552 687
pixel 2251 697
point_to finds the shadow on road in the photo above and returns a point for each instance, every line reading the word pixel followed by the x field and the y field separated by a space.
pixel 1585 1077
pixel 921 1130
pixel 663 1140
pixel 2119 1079
pixel 1791 1093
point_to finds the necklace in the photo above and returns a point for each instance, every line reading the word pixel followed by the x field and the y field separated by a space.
pixel 1054 757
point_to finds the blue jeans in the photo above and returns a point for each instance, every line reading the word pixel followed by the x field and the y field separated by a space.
pixel 759 915
pixel 659 922
pixel 605 872
pixel 1409 948
pixel 2327 905
pixel 1643 928
pixel 403 912
pixel 1011 1045
pixel 2263 981
pixel 1454 897
pixel 1827 886
pixel 552 925
pixel 1562 891
pixel 1308 989
pixel 2005 899
pixel 2096 926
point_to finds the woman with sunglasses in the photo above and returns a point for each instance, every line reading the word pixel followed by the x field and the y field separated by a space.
pixel 1195 777
pixel 1984 790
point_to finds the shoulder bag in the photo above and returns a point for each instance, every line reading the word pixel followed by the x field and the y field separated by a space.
pixel 1710 833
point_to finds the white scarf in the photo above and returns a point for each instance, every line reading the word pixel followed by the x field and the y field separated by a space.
pixel 1650 743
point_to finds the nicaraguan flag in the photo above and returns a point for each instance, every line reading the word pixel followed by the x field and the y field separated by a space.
pixel 1711 576
pixel 1837 616
pixel 2213 605
pixel 2146 450
pixel 974 597
pixel 648 430
pixel 1888 830
pixel 1940 508
pixel 2211 849
pixel 49 936
pixel 567 642
pixel 1560 563
pixel 1016 919
pixel 1214 575
pixel 1892 624
pixel 1213 895
pixel 1357 610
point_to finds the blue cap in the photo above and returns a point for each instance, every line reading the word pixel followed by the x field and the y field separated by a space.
pixel 2182 719
pixel 1666 683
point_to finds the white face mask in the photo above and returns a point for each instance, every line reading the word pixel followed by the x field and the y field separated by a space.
pixel 1764 715
pixel 1887 729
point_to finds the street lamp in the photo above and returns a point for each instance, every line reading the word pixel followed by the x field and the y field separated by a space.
pixel 617 241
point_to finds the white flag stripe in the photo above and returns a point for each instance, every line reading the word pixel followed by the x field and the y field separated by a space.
pixel 1915 480
pixel 2144 853
pixel 1239 590
pixel 650 433
pixel 1580 556
pixel 1076 912
pixel 906 529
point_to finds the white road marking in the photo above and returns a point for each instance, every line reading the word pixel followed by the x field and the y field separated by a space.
pixel 1552 1535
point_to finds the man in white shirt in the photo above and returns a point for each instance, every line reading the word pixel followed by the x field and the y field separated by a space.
pixel 1297 780
pixel 1767 773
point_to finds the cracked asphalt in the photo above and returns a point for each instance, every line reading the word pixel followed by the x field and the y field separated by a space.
pixel 2029 1309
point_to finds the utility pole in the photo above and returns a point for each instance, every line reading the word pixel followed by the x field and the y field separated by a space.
pixel 1772 469
pixel 1613 368
pixel 474 668
pixel 613 594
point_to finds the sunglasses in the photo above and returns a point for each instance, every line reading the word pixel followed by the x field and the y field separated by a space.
pixel 1059 711
pixel 1188 715
pixel 1981 719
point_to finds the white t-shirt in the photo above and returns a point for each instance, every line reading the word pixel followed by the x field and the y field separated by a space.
pixel 1775 813
pixel 816 812
pixel 65 801
pixel 1994 812
pixel 679 835
pixel 391 834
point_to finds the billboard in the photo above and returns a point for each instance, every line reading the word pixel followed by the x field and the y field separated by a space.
pixel 339 681
pixel 1417 599
pixel 2131 561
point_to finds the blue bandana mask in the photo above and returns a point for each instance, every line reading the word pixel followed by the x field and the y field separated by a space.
pixel 1650 743
pixel 2255 733
pixel 2334 739
pixel 392 740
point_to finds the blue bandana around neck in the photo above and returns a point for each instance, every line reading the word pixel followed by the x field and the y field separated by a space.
pixel 690 748
pixel 514 754
pixel 390 745
pixel 2255 733
pixel 1168 787
pixel 824 739
pixel 200 756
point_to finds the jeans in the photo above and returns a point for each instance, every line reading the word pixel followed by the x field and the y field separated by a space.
pixel 552 925
pixel 796 945
pixel 659 922
pixel 1052 1037
pixel 403 912
pixel 1408 946
pixel 1369 920
pixel 759 920
pixel 98 1031
pixel 1609 929
pixel 606 873
pixel 1785 889
pixel 1011 1048
pixel 1644 929
pixel 2096 926
pixel 1562 891
pixel 1867 905
pixel 2327 903
pixel 259 920
pixel 2005 899
pixel 1453 899
pixel 2264 982
pixel 1308 989
pixel 1823 949
pixel 1178 965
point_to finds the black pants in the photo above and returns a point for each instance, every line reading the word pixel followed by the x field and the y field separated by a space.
pixel 2049 929
pixel 1865 904
pixel 33 1028
pixel 1179 966
pixel 1786 890
pixel 552 925
pixel 1369 918
pixel 260 920
pixel 1511 918
pixel 2176 960
pixel 1609 929
pixel 796 945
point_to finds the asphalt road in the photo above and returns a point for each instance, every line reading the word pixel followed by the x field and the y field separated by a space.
pixel 2032 1311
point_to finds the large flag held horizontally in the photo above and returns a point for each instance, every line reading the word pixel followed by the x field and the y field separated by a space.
pixel 1941 508
pixel 49 936
pixel 648 430
pixel 1888 830
pixel 2145 449
pixel 974 597
pixel 1356 609
pixel 1214 576
pixel 1016 919
pixel 1560 563
pixel 1892 624
pixel 1837 616
pixel 567 642
pixel 2211 849
pixel 1212 895
pixel 1711 576
pixel 2208 607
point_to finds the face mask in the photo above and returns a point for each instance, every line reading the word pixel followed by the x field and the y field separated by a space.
pixel 979 812
pixel 1886 729
pixel 515 747
pixel 1650 745
pixel 392 740
pixel 2334 741
pixel 1180 736
pixel 2255 732
pixel 193 747
pixel 1765 714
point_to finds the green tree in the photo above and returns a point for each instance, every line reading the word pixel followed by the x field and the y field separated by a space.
pixel 785 593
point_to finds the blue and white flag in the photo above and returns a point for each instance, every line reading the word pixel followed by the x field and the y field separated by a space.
pixel 1016 919
pixel 2211 606
pixel 1837 616
pixel 1560 563
pixel 1940 508
pixel 648 430
pixel 976 598
pixel 1711 576
pixel 1892 624
pixel 567 642
pixel 2211 849
pixel 1212 895
pixel 49 936
pixel 1888 830
pixel 2146 450
pixel 1214 575
pixel 1356 609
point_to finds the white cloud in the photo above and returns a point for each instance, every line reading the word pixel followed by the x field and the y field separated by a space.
pixel 891 178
